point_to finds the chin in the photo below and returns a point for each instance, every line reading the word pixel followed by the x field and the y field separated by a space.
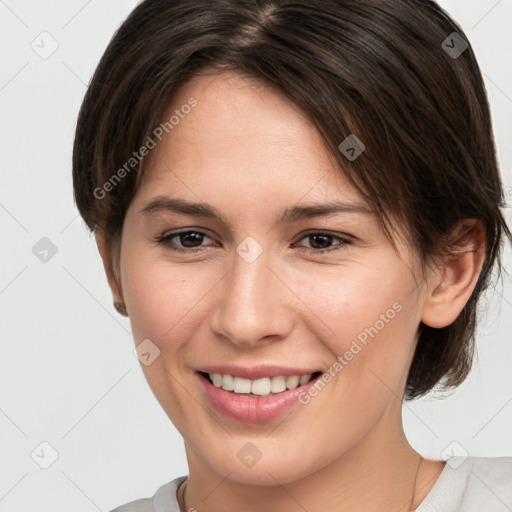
pixel 275 468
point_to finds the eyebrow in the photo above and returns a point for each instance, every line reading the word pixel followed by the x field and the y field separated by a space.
pixel 293 214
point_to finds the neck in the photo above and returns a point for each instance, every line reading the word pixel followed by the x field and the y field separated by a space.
pixel 382 472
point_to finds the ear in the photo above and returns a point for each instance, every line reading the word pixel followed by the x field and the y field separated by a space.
pixel 452 283
pixel 110 257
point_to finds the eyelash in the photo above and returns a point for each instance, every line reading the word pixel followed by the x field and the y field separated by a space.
pixel 166 241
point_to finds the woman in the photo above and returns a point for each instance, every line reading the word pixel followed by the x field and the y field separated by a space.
pixel 298 206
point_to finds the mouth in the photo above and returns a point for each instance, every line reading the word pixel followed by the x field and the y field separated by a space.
pixel 258 388
pixel 255 401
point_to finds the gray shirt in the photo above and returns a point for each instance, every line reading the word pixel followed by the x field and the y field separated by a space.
pixel 473 484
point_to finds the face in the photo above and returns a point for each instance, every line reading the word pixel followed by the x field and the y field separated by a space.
pixel 264 284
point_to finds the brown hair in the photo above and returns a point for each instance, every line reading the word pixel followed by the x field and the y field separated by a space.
pixel 379 69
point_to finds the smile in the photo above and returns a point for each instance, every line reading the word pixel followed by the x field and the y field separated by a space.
pixel 242 403
pixel 259 387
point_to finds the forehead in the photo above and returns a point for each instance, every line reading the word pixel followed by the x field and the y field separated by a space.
pixel 241 133
pixel 247 153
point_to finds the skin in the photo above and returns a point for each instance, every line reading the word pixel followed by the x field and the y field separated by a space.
pixel 250 152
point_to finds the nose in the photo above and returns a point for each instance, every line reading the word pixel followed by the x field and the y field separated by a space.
pixel 254 304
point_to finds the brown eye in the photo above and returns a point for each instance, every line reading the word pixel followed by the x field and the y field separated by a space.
pixel 321 242
pixel 190 241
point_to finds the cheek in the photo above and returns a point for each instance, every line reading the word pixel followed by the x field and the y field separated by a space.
pixel 349 300
pixel 368 317
pixel 160 296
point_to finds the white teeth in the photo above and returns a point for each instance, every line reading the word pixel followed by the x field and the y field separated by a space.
pixel 216 379
pixel 292 381
pixel 277 384
pixel 228 383
pixel 242 385
pixel 260 387
pixel 304 379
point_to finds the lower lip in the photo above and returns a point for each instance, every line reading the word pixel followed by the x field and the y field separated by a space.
pixel 251 409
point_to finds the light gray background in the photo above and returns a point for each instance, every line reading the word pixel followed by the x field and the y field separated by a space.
pixel 68 374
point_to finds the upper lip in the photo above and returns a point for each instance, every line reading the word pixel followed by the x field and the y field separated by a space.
pixel 255 371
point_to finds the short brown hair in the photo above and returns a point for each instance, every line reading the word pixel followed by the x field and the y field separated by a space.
pixel 378 69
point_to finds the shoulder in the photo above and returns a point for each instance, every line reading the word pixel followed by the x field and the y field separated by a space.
pixel 491 475
pixel 164 500
pixel 472 484
pixel 489 485
pixel 487 482
pixel 142 505
pixel 497 465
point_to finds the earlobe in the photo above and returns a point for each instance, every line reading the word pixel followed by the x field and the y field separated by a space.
pixel 452 284
pixel 108 264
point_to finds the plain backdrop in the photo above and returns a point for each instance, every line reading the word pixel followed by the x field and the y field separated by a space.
pixel 68 376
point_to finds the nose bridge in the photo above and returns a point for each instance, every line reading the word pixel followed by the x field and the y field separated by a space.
pixel 250 307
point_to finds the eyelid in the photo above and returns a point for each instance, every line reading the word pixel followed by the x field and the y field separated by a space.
pixel 342 236
pixel 200 231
